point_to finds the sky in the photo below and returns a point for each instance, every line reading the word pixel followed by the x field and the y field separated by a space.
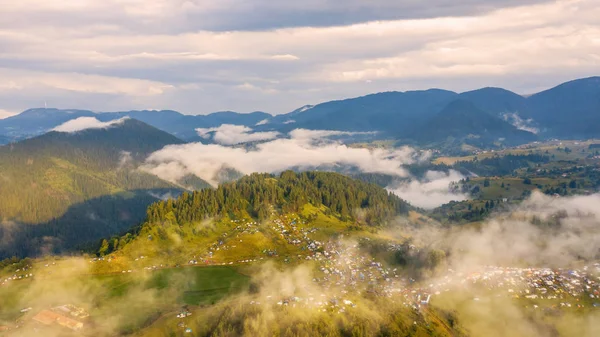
pixel 201 56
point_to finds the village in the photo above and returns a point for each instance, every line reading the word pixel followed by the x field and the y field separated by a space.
pixel 343 273
pixel 342 266
pixel 67 316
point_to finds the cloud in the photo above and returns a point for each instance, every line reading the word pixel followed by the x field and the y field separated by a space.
pixel 286 57
pixel 206 161
pixel 79 82
pixel 84 123
pixel 542 231
pixel 263 122
pixel 163 196
pixel 228 134
pixel 499 260
pixel 306 134
pixel 115 55
pixel 520 123
pixel 432 191
pixel 180 16
pixel 125 159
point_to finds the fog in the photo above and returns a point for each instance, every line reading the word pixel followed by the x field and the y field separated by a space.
pixel 300 149
pixel 303 150
pixel 542 232
pixel 519 123
pixel 432 191
pixel 228 134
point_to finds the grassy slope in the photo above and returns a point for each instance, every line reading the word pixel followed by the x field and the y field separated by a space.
pixel 540 148
pixel 231 240
pixel 133 298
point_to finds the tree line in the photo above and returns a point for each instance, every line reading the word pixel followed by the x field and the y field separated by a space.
pixel 257 193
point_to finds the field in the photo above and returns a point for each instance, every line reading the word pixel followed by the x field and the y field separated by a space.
pixel 138 298
pixel 578 150
pixel 200 285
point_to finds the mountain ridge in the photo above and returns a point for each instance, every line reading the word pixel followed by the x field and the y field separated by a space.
pixel 86 179
pixel 394 114
pixel 461 120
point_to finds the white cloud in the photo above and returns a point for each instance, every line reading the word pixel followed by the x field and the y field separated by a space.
pixel 206 161
pixel 84 123
pixel 432 191
pixel 76 82
pixel 228 134
pixel 515 238
pixel 306 134
pixel 231 15
pixel 286 57
pixel 125 159
pixel 118 48
pixel 263 122
pixel 520 123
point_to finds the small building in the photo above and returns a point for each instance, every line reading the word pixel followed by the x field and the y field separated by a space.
pixel 48 317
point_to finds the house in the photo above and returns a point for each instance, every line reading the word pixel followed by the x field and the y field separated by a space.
pixel 45 317
pixel 48 317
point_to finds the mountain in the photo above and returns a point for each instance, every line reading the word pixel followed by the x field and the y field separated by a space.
pixel 69 188
pixel 462 122
pixel 569 110
pixel 35 122
pixel 184 126
pixel 389 112
pixel 495 101
pixel 331 202
pixel 304 245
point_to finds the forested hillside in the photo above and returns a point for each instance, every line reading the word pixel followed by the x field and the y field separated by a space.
pixel 41 177
pixel 256 193
pixel 462 122
pixel 73 187
pixel 327 202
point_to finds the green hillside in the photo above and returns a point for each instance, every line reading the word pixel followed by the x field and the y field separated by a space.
pixel 258 216
pixel 211 254
pixel 57 183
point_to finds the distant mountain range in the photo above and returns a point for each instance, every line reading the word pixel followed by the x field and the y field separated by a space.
pixel 38 121
pixel 570 110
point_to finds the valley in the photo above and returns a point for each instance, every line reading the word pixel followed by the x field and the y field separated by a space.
pixel 114 226
pixel 360 168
